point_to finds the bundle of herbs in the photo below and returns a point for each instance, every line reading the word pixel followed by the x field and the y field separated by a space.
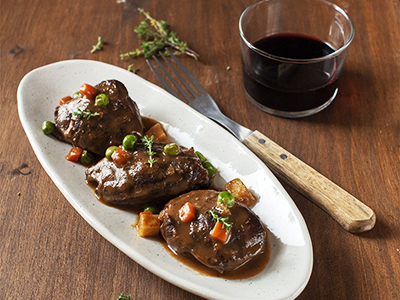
pixel 156 37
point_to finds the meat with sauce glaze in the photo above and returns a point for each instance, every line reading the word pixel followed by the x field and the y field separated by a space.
pixel 247 239
pixel 138 184
pixel 107 127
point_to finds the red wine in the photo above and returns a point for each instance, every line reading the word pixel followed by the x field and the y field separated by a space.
pixel 280 84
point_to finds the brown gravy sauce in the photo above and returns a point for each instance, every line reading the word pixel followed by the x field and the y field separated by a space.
pixel 250 269
pixel 148 123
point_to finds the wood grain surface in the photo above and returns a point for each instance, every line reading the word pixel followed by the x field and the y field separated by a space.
pixel 48 251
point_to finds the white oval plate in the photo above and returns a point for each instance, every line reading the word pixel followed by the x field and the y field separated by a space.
pixel 291 261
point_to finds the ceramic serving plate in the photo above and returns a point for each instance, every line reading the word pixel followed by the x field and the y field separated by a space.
pixel 291 260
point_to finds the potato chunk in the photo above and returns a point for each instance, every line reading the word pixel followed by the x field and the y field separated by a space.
pixel 158 132
pixel 148 225
pixel 242 195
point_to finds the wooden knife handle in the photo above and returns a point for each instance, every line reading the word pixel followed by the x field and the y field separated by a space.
pixel 348 211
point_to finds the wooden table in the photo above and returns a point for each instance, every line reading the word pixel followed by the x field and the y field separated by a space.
pixel 48 251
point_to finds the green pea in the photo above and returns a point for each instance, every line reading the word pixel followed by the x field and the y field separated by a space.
pixel 129 142
pixel 210 168
pixel 47 127
pixel 226 198
pixel 76 95
pixel 201 157
pixel 172 149
pixel 110 151
pixel 101 100
pixel 151 208
pixel 86 158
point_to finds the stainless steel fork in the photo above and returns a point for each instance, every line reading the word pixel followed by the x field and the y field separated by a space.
pixel 348 211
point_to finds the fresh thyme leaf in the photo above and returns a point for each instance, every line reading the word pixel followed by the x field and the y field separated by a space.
pixel 151 161
pixel 132 69
pixel 148 143
pixel 123 297
pixel 225 224
pixel 133 53
pixel 99 45
pixel 217 218
pixel 78 113
pixel 85 114
pixel 156 37
pixel 213 214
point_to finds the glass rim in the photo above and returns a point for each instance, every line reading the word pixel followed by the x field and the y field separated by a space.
pixel 308 60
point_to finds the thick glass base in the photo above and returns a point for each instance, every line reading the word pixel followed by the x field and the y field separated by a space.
pixel 292 114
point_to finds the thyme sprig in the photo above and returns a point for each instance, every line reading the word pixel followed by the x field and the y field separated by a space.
pixel 85 114
pixel 132 69
pixel 217 218
pixel 148 142
pixel 123 297
pixel 99 45
pixel 156 37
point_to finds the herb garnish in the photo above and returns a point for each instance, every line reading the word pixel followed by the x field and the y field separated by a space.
pixel 132 69
pixel 85 114
pixel 99 45
pixel 123 297
pixel 148 142
pixel 217 218
pixel 157 37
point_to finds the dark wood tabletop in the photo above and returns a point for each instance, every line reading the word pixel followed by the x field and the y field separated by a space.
pixel 47 249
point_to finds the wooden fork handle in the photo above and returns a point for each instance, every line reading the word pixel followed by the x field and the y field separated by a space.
pixel 351 213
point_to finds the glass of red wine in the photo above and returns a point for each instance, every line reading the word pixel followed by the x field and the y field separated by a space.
pixel 293 52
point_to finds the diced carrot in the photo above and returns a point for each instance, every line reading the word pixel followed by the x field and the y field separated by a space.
pixel 65 99
pixel 120 156
pixel 219 233
pixel 187 212
pixel 147 212
pixel 88 90
pixel 74 154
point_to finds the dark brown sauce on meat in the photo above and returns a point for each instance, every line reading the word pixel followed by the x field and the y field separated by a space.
pixel 107 127
pixel 250 269
pixel 127 208
pixel 148 123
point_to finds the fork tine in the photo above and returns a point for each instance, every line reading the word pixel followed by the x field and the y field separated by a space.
pixel 183 81
pixel 180 89
pixel 178 86
pixel 162 80
pixel 189 75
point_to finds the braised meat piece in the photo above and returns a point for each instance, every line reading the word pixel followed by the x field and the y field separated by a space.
pixel 247 238
pixel 136 183
pixel 105 126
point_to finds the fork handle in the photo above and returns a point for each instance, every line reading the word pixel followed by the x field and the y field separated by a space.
pixel 348 211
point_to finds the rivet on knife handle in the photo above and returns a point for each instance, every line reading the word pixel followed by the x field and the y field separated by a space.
pixel 347 210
